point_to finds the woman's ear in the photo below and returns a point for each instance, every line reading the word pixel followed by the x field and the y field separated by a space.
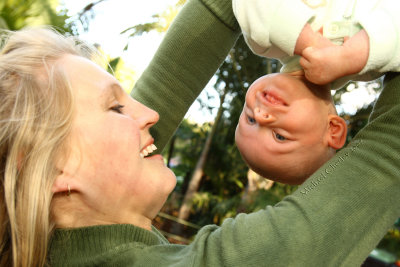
pixel 65 180
pixel 65 184
pixel 337 132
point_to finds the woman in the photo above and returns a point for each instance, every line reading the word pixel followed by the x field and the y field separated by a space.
pixel 55 124
pixel 72 144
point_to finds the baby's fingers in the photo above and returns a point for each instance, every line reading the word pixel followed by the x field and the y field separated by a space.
pixel 308 53
pixel 306 57
pixel 313 64
pixel 304 63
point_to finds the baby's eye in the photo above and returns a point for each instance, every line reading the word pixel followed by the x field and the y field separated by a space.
pixel 117 108
pixel 280 137
pixel 251 120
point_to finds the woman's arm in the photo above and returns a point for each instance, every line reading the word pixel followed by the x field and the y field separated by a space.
pixel 336 218
pixel 194 47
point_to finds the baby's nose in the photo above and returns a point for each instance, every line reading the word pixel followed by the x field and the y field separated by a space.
pixel 262 116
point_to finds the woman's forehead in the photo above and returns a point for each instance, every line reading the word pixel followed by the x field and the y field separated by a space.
pixel 85 74
pixel 82 68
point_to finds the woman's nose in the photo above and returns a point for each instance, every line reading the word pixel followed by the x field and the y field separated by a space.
pixel 147 117
pixel 262 116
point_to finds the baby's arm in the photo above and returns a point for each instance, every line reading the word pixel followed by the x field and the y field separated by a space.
pixel 324 62
pixel 271 28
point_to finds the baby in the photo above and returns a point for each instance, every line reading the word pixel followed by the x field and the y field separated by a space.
pixel 289 126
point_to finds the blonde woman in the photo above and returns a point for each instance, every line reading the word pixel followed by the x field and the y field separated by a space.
pixel 36 118
pixel 81 179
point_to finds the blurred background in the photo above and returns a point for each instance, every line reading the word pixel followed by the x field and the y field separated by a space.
pixel 213 182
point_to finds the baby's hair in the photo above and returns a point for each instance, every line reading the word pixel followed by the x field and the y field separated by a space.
pixel 324 93
pixel 36 113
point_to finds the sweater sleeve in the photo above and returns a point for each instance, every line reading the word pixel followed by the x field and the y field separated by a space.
pixel 383 27
pixel 194 47
pixel 335 218
pixel 271 27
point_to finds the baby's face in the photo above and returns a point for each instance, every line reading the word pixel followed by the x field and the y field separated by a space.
pixel 282 130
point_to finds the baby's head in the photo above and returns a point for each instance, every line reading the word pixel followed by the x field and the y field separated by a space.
pixel 288 128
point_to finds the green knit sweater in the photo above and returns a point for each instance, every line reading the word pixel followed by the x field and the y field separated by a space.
pixel 334 219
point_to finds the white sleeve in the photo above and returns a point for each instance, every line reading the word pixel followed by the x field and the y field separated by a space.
pixel 271 23
pixel 383 27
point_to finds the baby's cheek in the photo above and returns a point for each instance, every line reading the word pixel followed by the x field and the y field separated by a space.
pixel 239 138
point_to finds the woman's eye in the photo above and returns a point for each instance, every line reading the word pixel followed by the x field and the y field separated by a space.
pixel 280 137
pixel 117 108
pixel 251 120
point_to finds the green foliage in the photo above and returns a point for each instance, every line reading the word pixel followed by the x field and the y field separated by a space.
pixel 160 23
pixel 188 142
pixel 112 65
pixel 357 121
pixel 261 198
pixel 139 29
pixel 210 208
pixel 17 14
pixel 391 241
pixel 83 18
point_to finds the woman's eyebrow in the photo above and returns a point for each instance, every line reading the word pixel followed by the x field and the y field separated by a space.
pixel 111 93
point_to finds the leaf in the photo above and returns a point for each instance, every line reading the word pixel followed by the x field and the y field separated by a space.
pixel 3 24
pixel 139 29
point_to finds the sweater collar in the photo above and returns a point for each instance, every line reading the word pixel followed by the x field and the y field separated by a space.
pixel 90 241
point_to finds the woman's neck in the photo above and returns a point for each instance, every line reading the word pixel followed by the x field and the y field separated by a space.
pixel 69 212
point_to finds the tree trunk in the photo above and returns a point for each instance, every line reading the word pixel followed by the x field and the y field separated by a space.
pixel 194 183
pixel 171 150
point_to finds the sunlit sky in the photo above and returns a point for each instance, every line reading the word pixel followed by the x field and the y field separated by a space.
pixel 114 16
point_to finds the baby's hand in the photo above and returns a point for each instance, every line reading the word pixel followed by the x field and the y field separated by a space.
pixel 324 65
pixel 326 62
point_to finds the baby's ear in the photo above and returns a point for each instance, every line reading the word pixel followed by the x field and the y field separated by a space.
pixel 337 132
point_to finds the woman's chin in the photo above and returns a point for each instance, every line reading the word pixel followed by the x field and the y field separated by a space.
pixel 171 181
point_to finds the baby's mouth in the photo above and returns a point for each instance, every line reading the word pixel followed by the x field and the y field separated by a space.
pixel 273 99
pixel 147 150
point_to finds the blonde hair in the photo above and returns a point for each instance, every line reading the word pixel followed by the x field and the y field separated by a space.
pixel 36 112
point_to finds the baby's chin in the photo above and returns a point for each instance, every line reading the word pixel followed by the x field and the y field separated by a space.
pixel 294 179
pixel 287 175
pixel 296 172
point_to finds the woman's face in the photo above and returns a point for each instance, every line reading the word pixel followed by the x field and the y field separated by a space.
pixel 106 169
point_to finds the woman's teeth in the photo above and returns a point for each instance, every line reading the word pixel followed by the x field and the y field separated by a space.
pixel 147 150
